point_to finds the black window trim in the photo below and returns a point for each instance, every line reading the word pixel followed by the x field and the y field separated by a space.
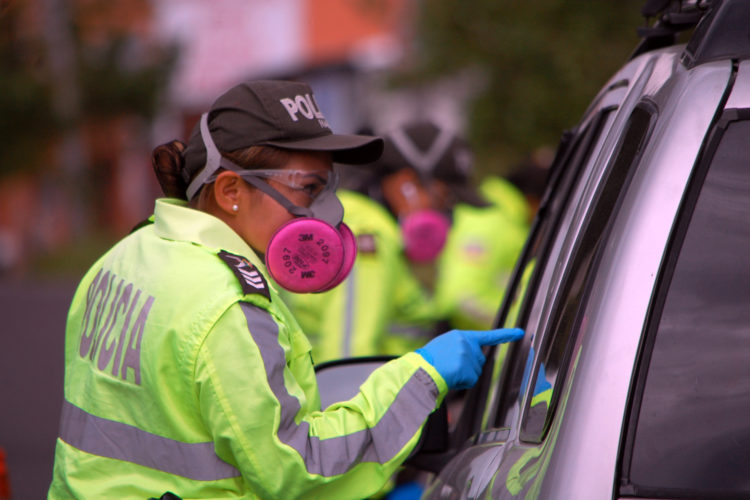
pixel 513 368
pixel 469 428
pixel 650 108
pixel 469 424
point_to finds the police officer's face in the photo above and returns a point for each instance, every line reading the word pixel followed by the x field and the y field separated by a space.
pixel 259 215
pixel 405 193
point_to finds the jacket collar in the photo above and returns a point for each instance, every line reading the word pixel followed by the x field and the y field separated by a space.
pixel 175 220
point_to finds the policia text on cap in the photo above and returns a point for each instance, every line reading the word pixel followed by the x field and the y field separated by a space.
pixel 184 370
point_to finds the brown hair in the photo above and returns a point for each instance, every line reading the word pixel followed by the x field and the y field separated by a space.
pixel 168 163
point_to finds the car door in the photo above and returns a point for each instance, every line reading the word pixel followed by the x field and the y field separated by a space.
pixel 534 413
pixel 482 432
pixel 579 454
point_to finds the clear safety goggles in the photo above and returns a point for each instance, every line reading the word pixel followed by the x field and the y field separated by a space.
pixel 320 186
pixel 313 183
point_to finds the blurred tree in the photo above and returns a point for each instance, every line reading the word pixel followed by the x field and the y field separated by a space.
pixel 67 68
pixel 122 68
pixel 114 73
pixel 119 78
pixel 27 119
pixel 543 60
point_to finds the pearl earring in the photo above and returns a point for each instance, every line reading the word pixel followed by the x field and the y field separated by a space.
pixel 235 208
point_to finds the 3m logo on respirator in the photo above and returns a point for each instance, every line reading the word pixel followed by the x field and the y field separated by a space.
pixel 303 105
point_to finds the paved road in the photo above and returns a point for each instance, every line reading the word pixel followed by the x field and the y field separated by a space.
pixel 32 325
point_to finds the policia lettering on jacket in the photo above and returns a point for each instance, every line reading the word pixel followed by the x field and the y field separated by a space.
pixel 123 349
pixel 184 370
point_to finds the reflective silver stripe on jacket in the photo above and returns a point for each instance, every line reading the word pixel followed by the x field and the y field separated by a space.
pixel 349 304
pixel 107 438
pixel 330 457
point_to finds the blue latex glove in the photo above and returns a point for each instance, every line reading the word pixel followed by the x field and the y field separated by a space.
pixel 407 491
pixel 457 355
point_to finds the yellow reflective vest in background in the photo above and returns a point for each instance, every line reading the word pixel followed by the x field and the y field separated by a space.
pixel 479 256
pixel 185 372
pixel 506 196
pixel 381 307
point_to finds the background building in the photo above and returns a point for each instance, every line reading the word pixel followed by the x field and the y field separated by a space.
pixel 117 77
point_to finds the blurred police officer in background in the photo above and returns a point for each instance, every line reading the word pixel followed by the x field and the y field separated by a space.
pixel 461 241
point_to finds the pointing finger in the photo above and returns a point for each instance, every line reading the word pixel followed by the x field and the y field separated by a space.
pixel 498 336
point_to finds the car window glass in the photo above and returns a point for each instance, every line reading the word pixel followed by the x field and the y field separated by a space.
pixel 500 354
pixel 692 432
pixel 555 346
pixel 546 227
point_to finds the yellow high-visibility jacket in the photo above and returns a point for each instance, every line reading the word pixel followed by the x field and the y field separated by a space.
pixel 474 267
pixel 185 372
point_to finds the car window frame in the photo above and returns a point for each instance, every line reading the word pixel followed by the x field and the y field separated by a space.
pixel 619 172
pixel 633 84
pixel 618 97
pixel 472 413
pixel 583 155
pixel 552 206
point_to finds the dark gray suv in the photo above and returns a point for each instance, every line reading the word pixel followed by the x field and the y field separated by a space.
pixel 633 380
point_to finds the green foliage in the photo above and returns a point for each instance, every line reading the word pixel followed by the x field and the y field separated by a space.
pixel 115 79
pixel 120 76
pixel 544 59
pixel 26 117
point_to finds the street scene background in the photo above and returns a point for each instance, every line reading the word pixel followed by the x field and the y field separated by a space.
pixel 89 87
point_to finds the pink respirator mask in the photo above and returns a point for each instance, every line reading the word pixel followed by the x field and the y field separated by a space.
pixel 315 251
pixel 424 233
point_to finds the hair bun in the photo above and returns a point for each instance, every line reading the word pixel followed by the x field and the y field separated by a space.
pixel 168 162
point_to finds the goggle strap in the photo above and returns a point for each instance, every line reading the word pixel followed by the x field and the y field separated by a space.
pixel 213 159
pixel 280 198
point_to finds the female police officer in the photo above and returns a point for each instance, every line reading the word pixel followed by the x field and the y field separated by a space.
pixel 186 373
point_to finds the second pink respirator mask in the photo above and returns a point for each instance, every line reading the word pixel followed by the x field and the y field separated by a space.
pixel 424 233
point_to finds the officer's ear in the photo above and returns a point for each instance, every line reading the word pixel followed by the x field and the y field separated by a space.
pixel 228 190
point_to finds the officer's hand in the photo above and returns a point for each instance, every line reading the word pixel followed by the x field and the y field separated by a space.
pixel 457 355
